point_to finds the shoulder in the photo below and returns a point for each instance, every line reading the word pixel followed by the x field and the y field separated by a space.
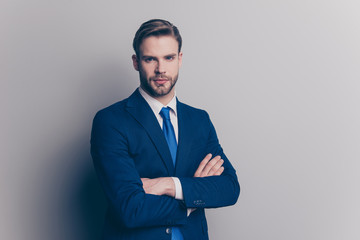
pixel 111 115
pixel 113 109
pixel 192 111
pixel 118 109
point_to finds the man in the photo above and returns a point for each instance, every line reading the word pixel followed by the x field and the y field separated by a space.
pixel 159 160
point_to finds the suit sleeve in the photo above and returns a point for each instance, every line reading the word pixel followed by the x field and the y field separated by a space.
pixel 214 191
pixel 121 182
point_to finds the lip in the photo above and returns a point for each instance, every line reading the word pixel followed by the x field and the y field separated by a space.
pixel 160 80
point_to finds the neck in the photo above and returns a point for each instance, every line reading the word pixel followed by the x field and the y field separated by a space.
pixel 165 99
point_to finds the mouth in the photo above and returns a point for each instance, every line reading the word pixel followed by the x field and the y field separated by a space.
pixel 160 81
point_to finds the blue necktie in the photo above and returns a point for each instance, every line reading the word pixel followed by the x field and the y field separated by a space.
pixel 169 132
pixel 170 137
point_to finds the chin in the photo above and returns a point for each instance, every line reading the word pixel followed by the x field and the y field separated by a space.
pixel 161 90
pixel 161 93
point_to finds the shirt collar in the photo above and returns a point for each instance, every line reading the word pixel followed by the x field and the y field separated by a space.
pixel 155 105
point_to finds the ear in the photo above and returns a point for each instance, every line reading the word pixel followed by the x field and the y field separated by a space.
pixel 180 58
pixel 135 62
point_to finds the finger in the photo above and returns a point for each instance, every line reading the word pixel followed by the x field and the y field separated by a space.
pixel 209 165
pixel 202 165
pixel 212 166
pixel 219 171
pixel 216 167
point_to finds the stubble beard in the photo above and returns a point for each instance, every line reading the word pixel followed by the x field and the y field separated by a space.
pixel 157 91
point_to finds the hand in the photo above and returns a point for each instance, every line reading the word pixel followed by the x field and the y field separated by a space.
pixel 210 167
pixel 159 186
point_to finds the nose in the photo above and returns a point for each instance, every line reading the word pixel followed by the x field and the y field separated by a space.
pixel 160 68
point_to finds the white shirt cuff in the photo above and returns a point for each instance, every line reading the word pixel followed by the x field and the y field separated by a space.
pixel 178 189
pixel 179 193
pixel 190 210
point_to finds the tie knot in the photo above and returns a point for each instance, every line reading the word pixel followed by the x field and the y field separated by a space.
pixel 165 113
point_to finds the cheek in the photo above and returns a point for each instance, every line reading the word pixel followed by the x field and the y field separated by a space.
pixel 143 71
pixel 175 69
pixel 147 70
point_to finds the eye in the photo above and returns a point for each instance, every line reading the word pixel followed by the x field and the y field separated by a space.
pixel 150 59
pixel 170 58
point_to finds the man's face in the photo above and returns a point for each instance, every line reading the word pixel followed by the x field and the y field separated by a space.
pixel 158 64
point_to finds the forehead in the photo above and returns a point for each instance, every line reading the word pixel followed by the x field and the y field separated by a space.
pixel 159 46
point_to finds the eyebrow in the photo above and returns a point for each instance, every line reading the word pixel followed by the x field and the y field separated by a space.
pixel 171 55
pixel 149 56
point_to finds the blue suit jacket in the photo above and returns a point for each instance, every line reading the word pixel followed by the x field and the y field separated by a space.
pixel 127 144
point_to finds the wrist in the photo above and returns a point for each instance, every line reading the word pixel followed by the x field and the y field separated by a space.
pixel 169 187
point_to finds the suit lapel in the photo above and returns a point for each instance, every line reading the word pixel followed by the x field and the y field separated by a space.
pixel 185 138
pixel 141 111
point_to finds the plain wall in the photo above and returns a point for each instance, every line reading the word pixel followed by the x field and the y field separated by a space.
pixel 280 80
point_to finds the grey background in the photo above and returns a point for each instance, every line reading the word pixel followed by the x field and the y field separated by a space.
pixel 280 80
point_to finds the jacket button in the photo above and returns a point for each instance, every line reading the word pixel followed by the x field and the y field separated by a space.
pixel 168 230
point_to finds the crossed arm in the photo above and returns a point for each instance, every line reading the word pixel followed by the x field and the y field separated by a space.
pixel 140 202
pixel 165 185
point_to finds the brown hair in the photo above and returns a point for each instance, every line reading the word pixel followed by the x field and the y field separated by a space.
pixel 155 27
